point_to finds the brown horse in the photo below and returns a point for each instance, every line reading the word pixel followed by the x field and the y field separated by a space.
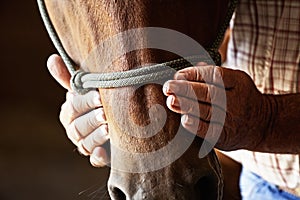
pixel 82 26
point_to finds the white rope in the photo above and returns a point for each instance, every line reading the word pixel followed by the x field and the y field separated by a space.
pixel 83 81
pixel 53 36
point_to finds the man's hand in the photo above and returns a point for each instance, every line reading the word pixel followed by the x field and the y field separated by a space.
pixel 245 109
pixel 82 116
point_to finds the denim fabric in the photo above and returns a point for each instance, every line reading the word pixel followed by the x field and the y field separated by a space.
pixel 253 187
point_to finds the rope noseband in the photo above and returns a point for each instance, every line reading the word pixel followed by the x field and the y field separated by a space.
pixel 149 74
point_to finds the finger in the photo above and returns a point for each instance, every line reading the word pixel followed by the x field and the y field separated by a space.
pixel 84 103
pixel 67 114
pixel 97 138
pixel 207 130
pixel 204 111
pixel 81 148
pixel 193 90
pixel 84 125
pixel 208 74
pixel 223 77
pixel 59 71
pixel 77 105
pixel 194 125
pixel 99 157
pixel 196 91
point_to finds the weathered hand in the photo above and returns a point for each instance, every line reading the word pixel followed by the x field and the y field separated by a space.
pixel 245 108
pixel 82 116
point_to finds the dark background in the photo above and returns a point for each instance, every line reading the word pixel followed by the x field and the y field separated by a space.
pixel 37 161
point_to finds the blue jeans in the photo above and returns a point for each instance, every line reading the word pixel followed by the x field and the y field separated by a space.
pixel 253 187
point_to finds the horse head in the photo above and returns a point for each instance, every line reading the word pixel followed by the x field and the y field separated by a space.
pixel 152 156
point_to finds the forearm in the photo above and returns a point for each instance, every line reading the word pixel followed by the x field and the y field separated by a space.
pixel 282 133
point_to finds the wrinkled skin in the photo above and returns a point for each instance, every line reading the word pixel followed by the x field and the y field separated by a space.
pixel 81 25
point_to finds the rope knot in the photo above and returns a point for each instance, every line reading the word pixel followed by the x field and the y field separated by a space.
pixel 77 83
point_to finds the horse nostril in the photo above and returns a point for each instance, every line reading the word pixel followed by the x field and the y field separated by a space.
pixel 206 188
pixel 117 194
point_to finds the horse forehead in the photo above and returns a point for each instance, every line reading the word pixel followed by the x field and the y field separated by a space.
pixel 81 25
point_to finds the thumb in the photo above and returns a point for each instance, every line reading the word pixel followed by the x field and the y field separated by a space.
pixel 59 71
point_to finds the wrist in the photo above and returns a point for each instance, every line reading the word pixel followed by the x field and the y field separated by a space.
pixel 264 118
pixel 280 125
pixel 270 109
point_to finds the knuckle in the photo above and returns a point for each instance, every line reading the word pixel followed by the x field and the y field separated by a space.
pixel 76 104
pixel 67 113
pixel 96 118
pixel 190 107
pixel 171 87
pixel 82 149
pixel 92 121
pixel 217 78
pixel 198 75
pixel 97 138
pixel 100 115
pixel 73 132
pixel 187 89
pixel 94 99
pixel 100 136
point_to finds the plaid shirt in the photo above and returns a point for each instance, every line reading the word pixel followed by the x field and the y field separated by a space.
pixel 265 43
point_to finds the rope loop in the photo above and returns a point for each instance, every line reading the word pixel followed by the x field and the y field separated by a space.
pixel 77 84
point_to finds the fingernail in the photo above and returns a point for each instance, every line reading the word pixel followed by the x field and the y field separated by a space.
pixel 100 115
pixel 174 101
pixel 104 130
pixel 82 149
pixel 186 120
pixel 166 88
pixel 51 61
pixel 97 161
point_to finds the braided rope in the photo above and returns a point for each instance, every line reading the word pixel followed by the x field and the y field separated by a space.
pixel 54 37
pixel 150 74
pixel 213 50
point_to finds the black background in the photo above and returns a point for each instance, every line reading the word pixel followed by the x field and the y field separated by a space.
pixel 37 161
